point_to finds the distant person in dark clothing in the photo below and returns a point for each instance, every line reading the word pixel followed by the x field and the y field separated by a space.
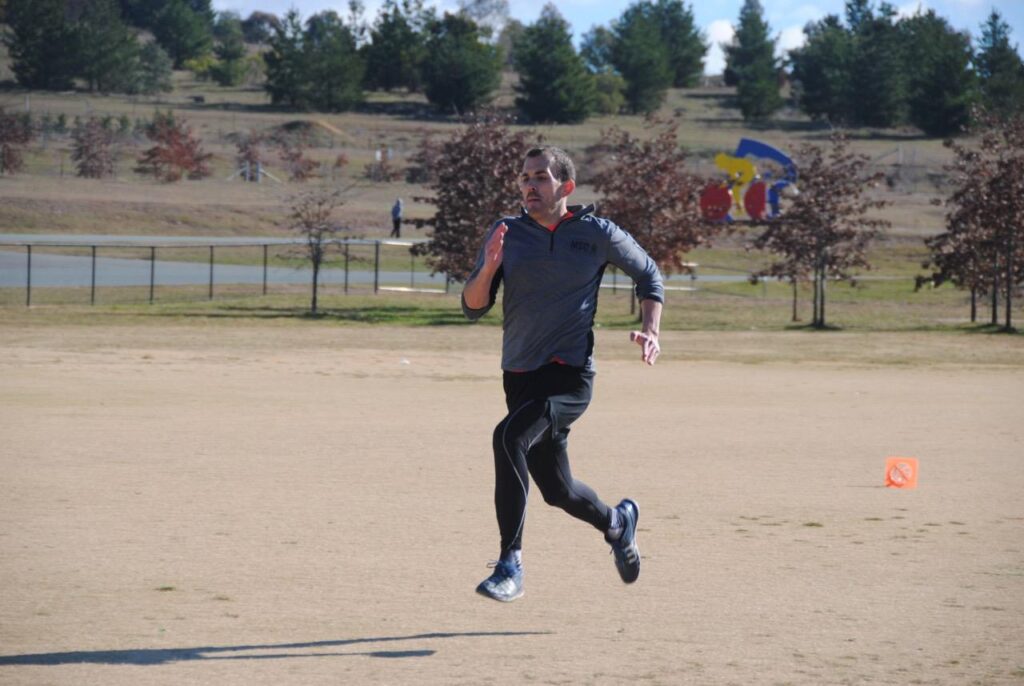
pixel 396 219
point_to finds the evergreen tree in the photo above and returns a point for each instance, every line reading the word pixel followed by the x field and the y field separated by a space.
pixel 286 83
pixel 596 49
pixel 42 44
pixel 821 71
pixel 395 53
pixel 641 58
pixel 684 42
pixel 230 50
pixel 109 53
pixel 751 57
pixel 460 71
pixel 183 32
pixel 259 27
pixel 554 86
pixel 942 87
pixel 1000 68
pixel 334 69
pixel 876 76
pixel 154 70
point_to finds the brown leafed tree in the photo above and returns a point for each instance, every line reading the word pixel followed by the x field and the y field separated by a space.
pixel 646 189
pixel 476 185
pixel 176 152
pixel 312 217
pixel 826 230
pixel 292 152
pixel 15 133
pixel 983 246
pixel 92 148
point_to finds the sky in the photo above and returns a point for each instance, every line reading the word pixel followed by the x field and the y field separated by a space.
pixel 715 17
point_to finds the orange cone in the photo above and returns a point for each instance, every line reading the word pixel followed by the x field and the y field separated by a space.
pixel 901 472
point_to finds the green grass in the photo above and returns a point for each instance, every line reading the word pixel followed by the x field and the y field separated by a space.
pixel 886 306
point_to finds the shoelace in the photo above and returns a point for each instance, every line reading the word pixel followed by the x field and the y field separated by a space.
pixel 503 567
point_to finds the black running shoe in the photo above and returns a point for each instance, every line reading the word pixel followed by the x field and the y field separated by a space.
pixel 627 555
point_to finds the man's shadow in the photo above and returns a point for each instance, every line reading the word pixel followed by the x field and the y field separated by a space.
pixel 160 656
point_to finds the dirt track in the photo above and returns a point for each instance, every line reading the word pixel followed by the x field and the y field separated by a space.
pixel 266 505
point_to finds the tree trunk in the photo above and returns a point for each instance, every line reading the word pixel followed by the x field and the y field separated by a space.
pixel 316 276
pixel 821 319
pixel 995 295
pixel 974 304
pixel 796 316
pixel 814 304
pixel 1010 281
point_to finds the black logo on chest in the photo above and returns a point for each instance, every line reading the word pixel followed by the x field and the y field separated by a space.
pixel 582 247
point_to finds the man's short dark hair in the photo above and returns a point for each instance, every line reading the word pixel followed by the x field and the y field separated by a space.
pixel 561 165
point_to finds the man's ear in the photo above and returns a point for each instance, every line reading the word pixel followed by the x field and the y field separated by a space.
pixel 568 187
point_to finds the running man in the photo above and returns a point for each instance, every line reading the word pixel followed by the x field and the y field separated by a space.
pixel 551 259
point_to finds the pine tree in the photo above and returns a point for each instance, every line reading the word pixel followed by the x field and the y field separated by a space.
pixel 554 86
pixel 999 67
pixel 334 69
pixel 183 32
pixel 230 50
pixel 751 57
pixel 155 69
pixel 460 71
pixel 42 44
pixel 395 53
pixel 684 42
pixel 942 86
pixel 641 58
pixel 821 70
pixel 109 53
pixel 876 78
pixel 286 82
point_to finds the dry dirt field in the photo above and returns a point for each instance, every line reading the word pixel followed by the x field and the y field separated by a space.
pixel 310 504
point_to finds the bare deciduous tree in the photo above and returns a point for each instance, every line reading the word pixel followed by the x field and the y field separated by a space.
pixel 15 133
pixel 826 231
pixel 312 216
pixel 92 149
pixel 647 190
pixel 983 246
pixel 476 185
pixel 176 153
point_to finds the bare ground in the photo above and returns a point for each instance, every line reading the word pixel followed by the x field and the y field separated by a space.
pixel 263 504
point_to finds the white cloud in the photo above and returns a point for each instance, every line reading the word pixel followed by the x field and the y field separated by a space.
pixel 911 9
pixel 718 32
pixel 789 39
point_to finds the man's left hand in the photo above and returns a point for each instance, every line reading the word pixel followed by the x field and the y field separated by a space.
pixel 648 342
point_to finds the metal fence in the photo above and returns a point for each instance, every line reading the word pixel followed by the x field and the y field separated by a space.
pixel 88 263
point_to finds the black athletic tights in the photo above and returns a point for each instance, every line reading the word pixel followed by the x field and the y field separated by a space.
pixel 531 441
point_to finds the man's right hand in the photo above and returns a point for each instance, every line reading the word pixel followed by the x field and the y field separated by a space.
pixel 495 248
pixel 476 293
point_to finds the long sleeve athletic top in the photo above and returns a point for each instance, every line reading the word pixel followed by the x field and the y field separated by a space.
pixel 551 278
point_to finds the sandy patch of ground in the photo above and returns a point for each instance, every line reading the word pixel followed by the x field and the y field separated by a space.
pixel 311 505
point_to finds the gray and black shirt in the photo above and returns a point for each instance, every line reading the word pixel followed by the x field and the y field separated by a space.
pixel 552 277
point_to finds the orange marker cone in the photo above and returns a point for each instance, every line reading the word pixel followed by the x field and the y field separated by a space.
pixel 901 472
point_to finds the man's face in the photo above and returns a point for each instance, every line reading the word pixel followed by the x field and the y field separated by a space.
pixel 541 192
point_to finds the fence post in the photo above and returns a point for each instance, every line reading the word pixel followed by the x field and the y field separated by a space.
pixel 346 267
pixel 264 269
pixel 152 271
pixel 376 266
pixel 412 269
pixel 92 284
pixel 28 277
pixel 211 272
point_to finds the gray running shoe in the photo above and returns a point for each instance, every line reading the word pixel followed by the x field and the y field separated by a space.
pixel 627 555
pixel 505 584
